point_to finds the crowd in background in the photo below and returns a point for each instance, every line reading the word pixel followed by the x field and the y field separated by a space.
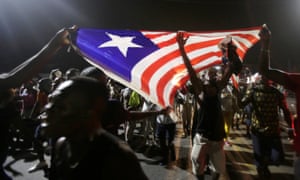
pixel 126 113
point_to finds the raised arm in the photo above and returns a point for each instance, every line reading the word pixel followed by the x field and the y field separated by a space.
pixel 264 58
pixel 228 70
pixel 196 83
pixel 33 65
pixel 233 63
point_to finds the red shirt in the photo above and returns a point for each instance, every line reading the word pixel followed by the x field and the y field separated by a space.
pixel 292 82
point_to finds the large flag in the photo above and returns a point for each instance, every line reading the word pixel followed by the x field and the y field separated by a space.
pixel 150 63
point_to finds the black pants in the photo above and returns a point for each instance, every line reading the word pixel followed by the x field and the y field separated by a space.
pixel 166 135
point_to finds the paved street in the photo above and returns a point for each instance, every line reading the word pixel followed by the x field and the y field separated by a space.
pixel 239 161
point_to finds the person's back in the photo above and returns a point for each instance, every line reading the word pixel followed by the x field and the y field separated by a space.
pixel 106 157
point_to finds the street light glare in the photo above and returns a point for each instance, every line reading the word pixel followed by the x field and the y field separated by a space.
pixel 35 20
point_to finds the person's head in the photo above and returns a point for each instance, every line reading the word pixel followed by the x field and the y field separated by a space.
pixel 72 72
pixel 212 73
pixel 94 72
pixel 45 85
pixel 76 107
pixel 29 84
pixel 56 82
pixel 189 87
pixel 54 74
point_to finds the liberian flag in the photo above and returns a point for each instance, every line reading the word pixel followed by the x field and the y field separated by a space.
pixel 150 63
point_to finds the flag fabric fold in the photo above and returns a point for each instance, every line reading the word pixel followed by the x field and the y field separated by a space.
pixel 150 63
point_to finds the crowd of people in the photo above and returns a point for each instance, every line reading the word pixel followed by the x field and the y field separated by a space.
pixel 79 114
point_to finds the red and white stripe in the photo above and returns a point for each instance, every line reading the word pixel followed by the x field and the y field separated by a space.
pixel 158 75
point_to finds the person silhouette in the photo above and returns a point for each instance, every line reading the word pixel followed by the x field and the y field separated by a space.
pixel 83 149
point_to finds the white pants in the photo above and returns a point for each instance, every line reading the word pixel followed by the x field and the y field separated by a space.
pixel 202 147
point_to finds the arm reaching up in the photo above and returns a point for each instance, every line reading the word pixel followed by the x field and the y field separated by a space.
pixel 30 67
pixel 233 65
pixel 264 58
pixel 197 85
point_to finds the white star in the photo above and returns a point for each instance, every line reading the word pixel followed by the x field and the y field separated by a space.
pixel 122 43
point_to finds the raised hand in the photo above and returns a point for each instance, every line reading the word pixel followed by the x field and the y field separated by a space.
pixel 62 37
pixel 265 33
pixel 181 38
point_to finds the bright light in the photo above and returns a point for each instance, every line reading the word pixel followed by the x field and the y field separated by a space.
pixel 35 18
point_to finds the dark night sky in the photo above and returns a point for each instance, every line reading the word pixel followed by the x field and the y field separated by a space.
pixel 27 25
